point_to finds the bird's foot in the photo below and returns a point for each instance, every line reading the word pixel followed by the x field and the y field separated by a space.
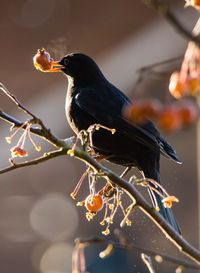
pixel 95 127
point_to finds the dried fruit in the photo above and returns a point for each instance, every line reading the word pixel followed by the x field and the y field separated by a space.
pixel 42 60
pixel 94 203
pixel 18 152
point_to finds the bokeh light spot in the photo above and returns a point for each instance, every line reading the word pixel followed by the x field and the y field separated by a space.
pixel 57 259
pixel 53 217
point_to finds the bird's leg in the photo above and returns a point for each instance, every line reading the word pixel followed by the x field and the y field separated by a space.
pixel 85 137
pixel 96 127
pixel 82 135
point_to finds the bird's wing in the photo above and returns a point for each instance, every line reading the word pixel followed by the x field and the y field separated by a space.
pixel 107 111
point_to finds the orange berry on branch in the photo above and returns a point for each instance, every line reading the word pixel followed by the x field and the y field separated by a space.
pixel 94 203
pixel 194 86
pixel 18 152
pixel 193 3
pixel 169 119
pixel 177 88
pixel 196 2
pixel 188 112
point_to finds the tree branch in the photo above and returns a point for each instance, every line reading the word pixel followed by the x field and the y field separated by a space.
pixel 133 247
pixel 130 189
pixel 164 10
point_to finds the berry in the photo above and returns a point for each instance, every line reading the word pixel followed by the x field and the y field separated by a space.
pixel 188 112
pixel 177 88
pixel 140 111
pixel 169 119
pixel 94 203
pixel 42 60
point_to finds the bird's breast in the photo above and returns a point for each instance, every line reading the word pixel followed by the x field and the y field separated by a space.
pixel 69 113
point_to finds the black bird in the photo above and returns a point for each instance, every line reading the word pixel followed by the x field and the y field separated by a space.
pixel 92 99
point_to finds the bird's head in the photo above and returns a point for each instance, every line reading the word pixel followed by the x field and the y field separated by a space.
pixel 78 66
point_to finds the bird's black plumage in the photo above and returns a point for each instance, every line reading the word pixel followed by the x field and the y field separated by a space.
pixel 92 99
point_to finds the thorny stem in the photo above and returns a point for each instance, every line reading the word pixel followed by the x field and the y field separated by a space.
pixel 180 242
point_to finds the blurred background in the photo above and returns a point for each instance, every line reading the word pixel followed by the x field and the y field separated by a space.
pixel 38 219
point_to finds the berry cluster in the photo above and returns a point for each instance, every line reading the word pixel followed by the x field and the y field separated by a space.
pixel 186 82
pixel 171 117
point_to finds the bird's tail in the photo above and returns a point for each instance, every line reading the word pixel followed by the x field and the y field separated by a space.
pixel 167 213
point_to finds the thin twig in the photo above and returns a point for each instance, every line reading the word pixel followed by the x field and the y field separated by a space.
pixel 44 132
pixel 157 64
pixel 45 157
pixel 16 101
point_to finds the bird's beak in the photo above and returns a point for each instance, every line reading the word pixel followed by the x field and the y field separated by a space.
pixel 55 67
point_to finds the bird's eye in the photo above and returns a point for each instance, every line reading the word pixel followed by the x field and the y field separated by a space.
pixel 66 61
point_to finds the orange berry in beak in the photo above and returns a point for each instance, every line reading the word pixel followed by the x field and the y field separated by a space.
pixel 42 60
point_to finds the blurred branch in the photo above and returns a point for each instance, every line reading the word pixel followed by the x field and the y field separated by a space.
pixel 147 261
pixel 151 68
pixel 15 100
pixel 133 247
pixel 162 8
pixel 180 242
